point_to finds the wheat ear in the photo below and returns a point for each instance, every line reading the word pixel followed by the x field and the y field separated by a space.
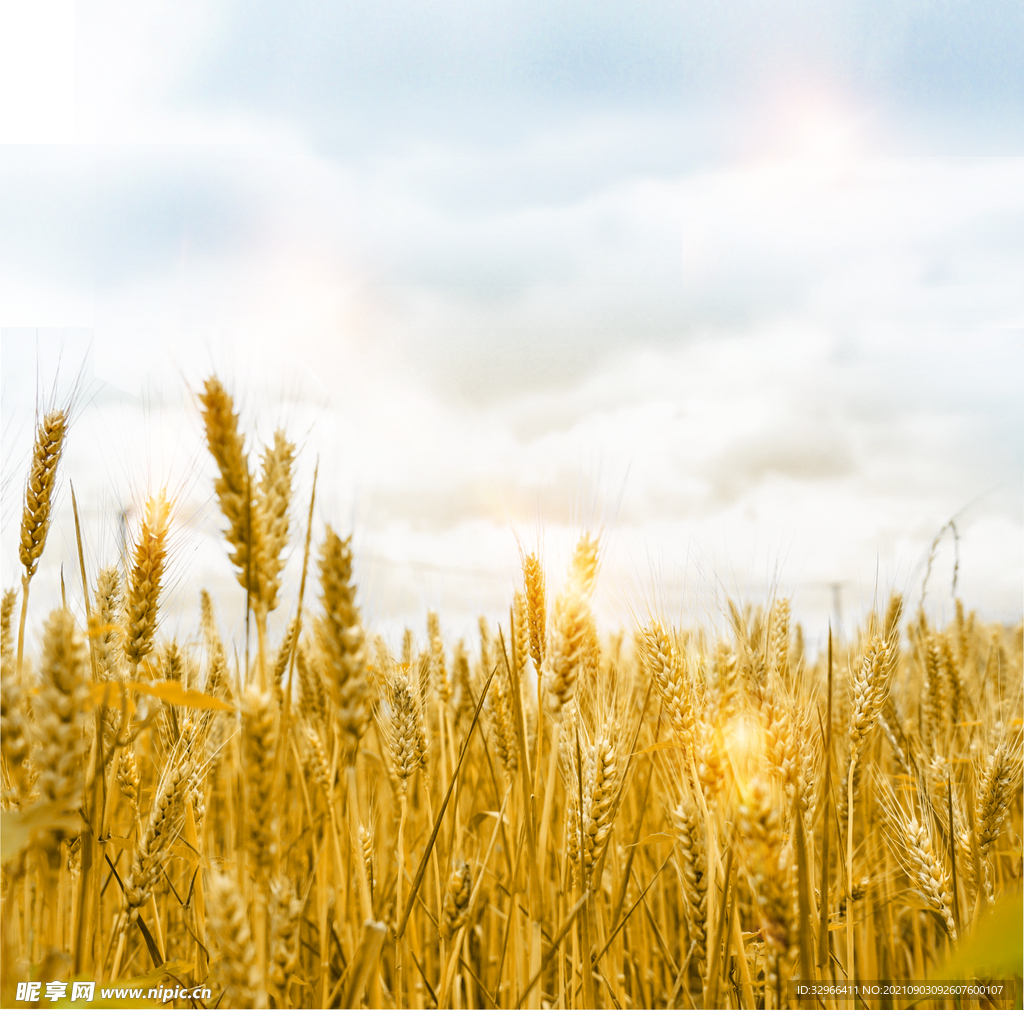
pixel 928 873
pixel 342 645
pixel 284 655
pixel 691 830
pixel 234 485
pixel 536 606
pixel 106 630
pixel 669 672
pixel 520 637
pixel 933 702
pixel 164 824
pixel 564 655
pixel 911 842
pixel 60 744
pixel 779 640
pixel 402 727
pixel 144 588
pixel 500 709
pixel 162 827
pixel 35 518
pixel 602 802
pixel 870 689
pixel 311 688
pixel 568 631
pixel 273 497
pixel 456 900
pixel 994 794
pixel 770 870
pixel 6 633
pixel 285 918
pixel 260 737
pixel 228 922
pixel 366 853
pixel 14 742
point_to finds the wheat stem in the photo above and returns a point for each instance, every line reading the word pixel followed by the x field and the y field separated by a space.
pixel 850 974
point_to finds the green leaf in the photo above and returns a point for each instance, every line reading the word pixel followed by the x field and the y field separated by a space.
pixel 993 948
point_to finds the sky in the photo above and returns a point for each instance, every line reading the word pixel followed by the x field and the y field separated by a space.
pixel 740 287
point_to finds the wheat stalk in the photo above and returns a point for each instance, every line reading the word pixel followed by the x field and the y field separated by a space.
pixel 675 852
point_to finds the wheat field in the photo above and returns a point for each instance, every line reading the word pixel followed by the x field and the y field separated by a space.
pixel 546 816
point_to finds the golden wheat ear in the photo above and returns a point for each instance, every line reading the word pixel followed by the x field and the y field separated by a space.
pixel 691 830
pixel 285 919
pixel 668 669
pixel 342 643
pixel 146 581
pixel 60 713
pixel 35 520
pixel 260 741
pixel 403 728
pixel 233 960
pixel 567 640
pixel 536 606
pixel 456 900
pixel 1002 772
pixel 35 517
pixel 273 497
pixel 7 635
pixel 106 630
pixel 15 743
pixel 233 486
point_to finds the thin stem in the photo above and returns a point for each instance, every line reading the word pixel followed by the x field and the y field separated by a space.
pixel 21 625
pixel 400 944
pixel 849 869
pixel 549 790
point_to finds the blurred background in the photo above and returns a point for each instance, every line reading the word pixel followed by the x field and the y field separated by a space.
pixel 741 287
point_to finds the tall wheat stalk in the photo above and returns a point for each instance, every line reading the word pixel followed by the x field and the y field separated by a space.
pixel 667 817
